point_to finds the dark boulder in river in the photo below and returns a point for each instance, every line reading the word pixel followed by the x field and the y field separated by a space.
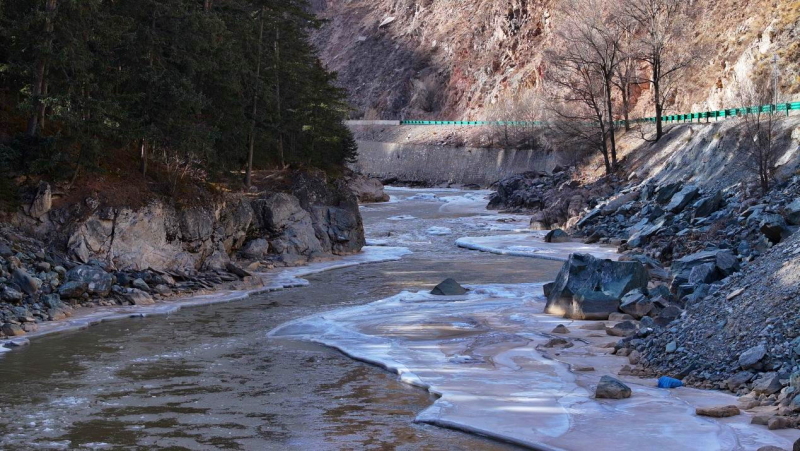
pixel 591 288
pixel 448 287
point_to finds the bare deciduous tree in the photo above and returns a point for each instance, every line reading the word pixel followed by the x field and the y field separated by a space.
pixel 592 45
pixel 582 70
pixel 758 150
pixel 660 26
pixel 579 107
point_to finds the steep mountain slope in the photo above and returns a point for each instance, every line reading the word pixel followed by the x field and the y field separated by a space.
pixel 458 59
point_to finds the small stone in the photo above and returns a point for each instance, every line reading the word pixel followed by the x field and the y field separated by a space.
pixel 671 347
pixel 594 326
pixel 623 329
pixel 583 368
pixel 140 284
pixel 611 388
pixel 561 329
pixel 768 384
pixel 734 293
pixel 138 297
pixel 16 343
pixel 738 379
pixel 718 411
pixel 554 342
pixel 634 358
pixel 616 316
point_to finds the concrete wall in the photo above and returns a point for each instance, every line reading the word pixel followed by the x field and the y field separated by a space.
pixel 435 165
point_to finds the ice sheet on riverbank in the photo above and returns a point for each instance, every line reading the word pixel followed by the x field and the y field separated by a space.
pixel 532 245
pixel 276 280
pixel 479 353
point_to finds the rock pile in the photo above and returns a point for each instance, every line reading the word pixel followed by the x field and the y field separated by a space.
pixel 720 307
pixel 556 200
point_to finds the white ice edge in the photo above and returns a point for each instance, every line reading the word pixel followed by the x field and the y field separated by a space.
pixel 532 245
pixel 523 397
pixel 272 281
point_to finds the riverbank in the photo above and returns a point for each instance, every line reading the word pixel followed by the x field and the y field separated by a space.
pixel 500 369
pixel 278 279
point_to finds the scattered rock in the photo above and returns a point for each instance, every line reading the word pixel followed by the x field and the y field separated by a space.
pixel 26 283
pixel 138 297
pixel 12 330
pixel 718 411
pixel 561 329
pixel 623 329
pixel 774 227
pixel 751 358
pixel 780 422
pixel 556 236
pixel 611 388
pixel 449 287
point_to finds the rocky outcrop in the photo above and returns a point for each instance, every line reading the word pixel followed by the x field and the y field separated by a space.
pixel 321 220
pixel 367 190
pixel 96 255
pixel 555 200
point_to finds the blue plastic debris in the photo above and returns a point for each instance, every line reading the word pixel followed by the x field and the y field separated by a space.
pixel 669 382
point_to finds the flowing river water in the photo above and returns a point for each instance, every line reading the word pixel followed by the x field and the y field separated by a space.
pixel 210 377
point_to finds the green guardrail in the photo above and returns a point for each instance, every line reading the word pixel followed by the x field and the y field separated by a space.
pixel 670 119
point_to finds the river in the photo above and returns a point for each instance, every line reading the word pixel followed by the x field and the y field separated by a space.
pixel 284 370
pixel 210 378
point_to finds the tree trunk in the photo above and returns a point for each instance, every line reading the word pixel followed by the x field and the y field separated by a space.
pixel 278 95
pixel 610 108
pixel 625 91
pixel 249 174
pixel 40 83
pixel 143 150
pixel 207 4
pixel 657 97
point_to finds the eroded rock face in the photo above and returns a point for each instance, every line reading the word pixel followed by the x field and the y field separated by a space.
pixel 590 288
pixel 323 220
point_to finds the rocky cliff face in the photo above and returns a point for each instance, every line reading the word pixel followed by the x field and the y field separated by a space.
pixel 426 58
pixel 313 219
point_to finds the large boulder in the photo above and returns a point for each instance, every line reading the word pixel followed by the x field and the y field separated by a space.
pixel 367 189
pixel 255 249
pixel 724 263
pixel 636 304
pixel 682 198
pixel 91 279
pixel 793 212
pixel 664 193
pixel 708 205
pixel 751 358
pixel 591 288
pixel 29 285
pixel 774 227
